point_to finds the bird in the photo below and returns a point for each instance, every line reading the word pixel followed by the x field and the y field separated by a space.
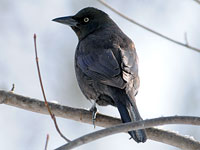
pixel 106 65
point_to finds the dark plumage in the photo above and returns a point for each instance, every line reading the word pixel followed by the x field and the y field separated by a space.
pixel 106 64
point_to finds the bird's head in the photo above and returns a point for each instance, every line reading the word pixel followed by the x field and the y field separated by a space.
pixel 85 21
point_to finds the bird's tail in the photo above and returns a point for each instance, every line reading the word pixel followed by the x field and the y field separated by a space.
pixel 129 113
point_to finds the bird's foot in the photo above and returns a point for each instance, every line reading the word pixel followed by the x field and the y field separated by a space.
pixel 93 109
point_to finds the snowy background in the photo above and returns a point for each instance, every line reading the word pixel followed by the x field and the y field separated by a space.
pixel 170 74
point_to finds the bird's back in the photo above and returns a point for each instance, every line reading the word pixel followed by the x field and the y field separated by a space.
pixel 98 42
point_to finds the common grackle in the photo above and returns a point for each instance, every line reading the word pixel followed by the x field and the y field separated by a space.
pixel 106 64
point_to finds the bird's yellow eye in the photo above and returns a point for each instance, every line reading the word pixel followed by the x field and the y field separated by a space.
pixel 86 19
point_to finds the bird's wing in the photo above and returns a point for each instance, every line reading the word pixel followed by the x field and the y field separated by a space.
pixel 129 64
pixel 102 67
pixel 129 68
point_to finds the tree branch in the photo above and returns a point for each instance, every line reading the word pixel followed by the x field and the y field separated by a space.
pixel 198 1
pixel 43 92
pixel 125 127
pixel 47 141
pixel 148 29
pixel 84 116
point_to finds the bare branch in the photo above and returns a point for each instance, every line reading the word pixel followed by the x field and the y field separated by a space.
pixel 125 127
pixel 43 93
pixel 148 29
pixel 46 143
pixel 173 139
pixel 84 116
pixel 186 39
pixel 13 88
pixel 198 1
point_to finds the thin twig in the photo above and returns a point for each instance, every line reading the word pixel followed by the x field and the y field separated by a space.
pixel 131 126
pixel 198 1
pixel 46 143
pixel 186 39
pixel 13 88
pixel 43 93
pixel 148 29
pixel 84 116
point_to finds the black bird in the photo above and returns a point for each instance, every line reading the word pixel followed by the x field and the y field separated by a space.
pixel 106 64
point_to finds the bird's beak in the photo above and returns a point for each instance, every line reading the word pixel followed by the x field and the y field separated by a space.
pixel 66 20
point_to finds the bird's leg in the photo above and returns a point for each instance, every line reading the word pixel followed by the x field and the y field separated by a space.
pixel 93 109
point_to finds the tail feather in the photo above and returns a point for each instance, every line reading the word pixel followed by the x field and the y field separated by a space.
pixel 129 112
pixel 135 116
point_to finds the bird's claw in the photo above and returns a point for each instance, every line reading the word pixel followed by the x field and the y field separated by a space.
pixel 94 114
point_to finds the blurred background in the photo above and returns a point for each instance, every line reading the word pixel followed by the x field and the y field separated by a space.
pixel 170 74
